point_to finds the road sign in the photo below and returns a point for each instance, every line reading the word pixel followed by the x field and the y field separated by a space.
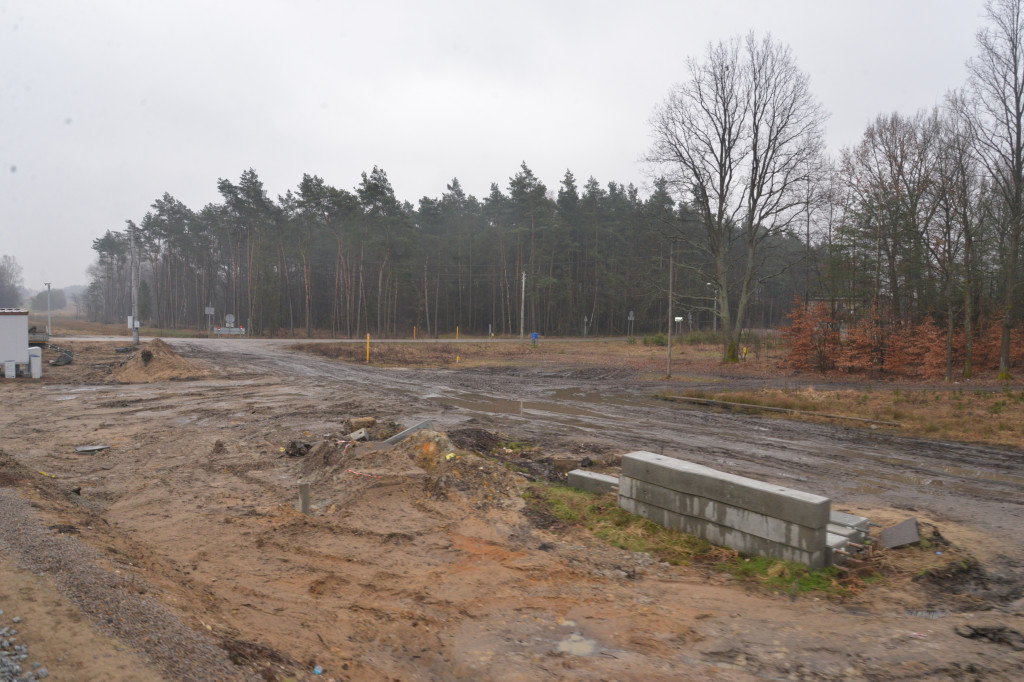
pixel 209 311
pixel 229 320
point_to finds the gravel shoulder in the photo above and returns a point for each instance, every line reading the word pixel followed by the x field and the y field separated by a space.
pixel 58 633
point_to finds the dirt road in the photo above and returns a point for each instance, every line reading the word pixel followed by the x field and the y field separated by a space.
pixel 411 569
pixel 564 407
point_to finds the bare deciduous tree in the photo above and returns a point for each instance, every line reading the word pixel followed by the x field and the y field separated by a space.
pixel 891 175
pixel 10 281
pixel 996 103
pixel 738 141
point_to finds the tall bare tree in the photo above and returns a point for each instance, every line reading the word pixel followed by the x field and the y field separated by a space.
pixel 996 103
pixel 891 175
pixel 10 282
pixel 738 140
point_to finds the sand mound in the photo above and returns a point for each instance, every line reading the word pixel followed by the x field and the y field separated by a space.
pixel 427 461
pixel 156 361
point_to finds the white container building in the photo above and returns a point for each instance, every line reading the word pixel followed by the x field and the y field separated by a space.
pixel 13 339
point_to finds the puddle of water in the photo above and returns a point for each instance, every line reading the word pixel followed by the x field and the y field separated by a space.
pixel 578 645
pixel 482 403
pixel 982 475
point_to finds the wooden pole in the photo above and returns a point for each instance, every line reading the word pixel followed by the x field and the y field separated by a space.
pixel 671 320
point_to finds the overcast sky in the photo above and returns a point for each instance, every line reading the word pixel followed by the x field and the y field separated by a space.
pixel 105 105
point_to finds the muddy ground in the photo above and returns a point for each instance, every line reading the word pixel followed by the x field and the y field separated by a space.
pixel 415 566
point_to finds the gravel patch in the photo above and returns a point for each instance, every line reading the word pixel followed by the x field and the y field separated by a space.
pixel 13 656
pixel 112 601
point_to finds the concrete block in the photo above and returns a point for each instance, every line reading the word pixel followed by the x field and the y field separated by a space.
pixel 836 541
pixel 358 434
pixel 851 534
pixel 744 520
pixel 836 545
pixel 721 535
pixel 592 481
pixel 850 520
pixel 795 506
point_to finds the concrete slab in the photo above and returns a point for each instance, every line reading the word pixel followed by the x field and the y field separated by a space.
pixel 744 520
pixel 592 481
pixel 900 535
pixel 399 437
pixel 726 537
pixel 851 520
pixel 795 506
pixel 851 534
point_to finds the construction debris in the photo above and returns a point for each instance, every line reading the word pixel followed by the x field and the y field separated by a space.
pixel 359 434
pixel 399 437
pixel 362 423
pixel 900 535
pixel 62 359
pixel 297 448
pixel 90 449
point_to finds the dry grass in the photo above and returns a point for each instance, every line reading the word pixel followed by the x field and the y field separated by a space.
pixel 990 416
pixel 69 325
pixel 648 361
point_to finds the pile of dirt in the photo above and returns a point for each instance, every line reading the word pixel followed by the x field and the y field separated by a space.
pixel 156 362
pixel 453 473
pixel 427 459
pixel 964 584
pixel 478 440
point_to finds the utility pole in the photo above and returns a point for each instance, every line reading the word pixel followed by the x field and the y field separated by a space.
pixel 135 291
pixel 522 309
pixel 671 261
pixel 49 331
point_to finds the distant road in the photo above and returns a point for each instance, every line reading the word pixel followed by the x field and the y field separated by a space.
pixel 127 339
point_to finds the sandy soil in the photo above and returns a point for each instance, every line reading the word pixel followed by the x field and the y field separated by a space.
pixel 413 565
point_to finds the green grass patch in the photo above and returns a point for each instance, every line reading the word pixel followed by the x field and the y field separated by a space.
pixel 787 576
pixel 601 515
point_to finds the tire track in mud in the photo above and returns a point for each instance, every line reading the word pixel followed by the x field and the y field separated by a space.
pixel 978 485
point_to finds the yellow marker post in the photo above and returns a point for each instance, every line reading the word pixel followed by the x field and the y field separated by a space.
pixel 367 349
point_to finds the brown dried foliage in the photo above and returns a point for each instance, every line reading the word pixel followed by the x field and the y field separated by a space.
pixel 878 347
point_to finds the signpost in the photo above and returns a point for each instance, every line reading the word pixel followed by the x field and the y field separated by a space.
pixel 229 326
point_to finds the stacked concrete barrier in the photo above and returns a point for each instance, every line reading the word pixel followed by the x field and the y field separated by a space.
pixel 592 482
pixel 747 515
